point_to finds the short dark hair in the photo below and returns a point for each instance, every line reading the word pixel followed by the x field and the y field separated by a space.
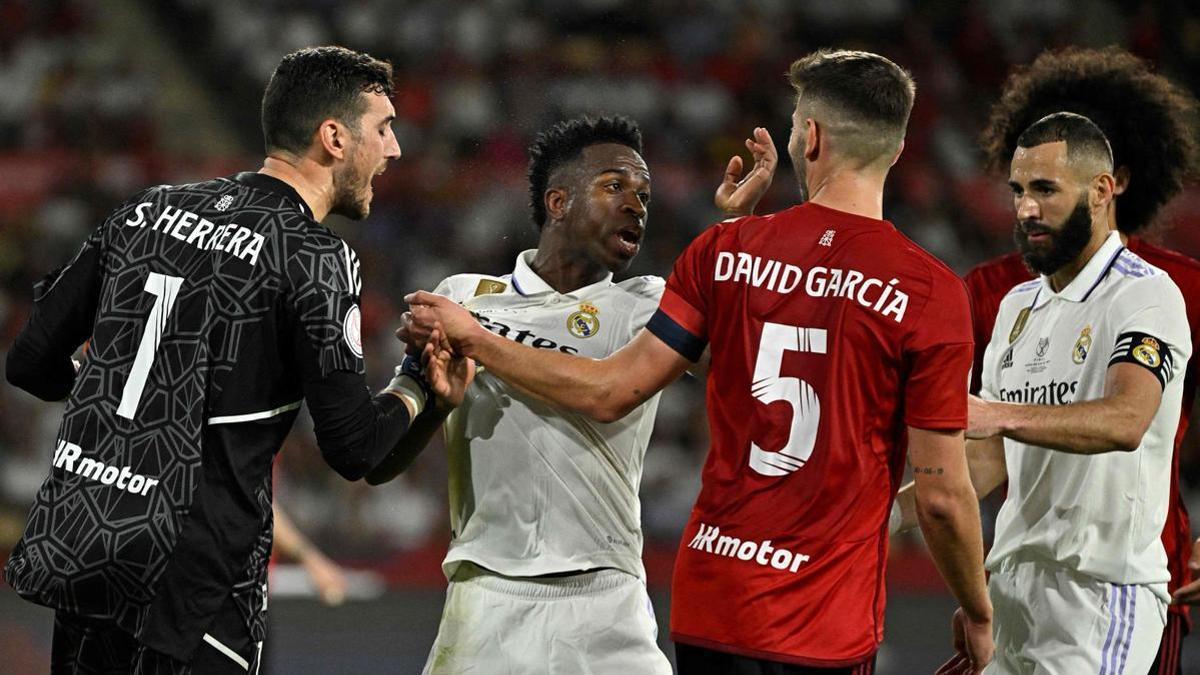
pixel 1146 118
pixel 1083 138
pixel 564 142
pixel 870 97
pixel 315 84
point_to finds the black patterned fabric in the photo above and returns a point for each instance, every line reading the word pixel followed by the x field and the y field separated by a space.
pixel 211 308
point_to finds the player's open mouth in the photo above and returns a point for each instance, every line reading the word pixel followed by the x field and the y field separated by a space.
pixel 629 240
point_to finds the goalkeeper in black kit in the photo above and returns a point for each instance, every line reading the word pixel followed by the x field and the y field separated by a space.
pixel 213 311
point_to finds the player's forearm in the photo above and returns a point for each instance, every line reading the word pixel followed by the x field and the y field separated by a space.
pixel 355 431
pixel 986 463
pixel 419 433
pixel 583 385
pixel 949 520
pixel 1086 427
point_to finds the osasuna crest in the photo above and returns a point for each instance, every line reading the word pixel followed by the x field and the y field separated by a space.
pixel 584 323
pixel 1080 351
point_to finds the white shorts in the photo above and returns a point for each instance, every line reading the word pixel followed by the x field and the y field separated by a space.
pixel 1048 620
pixel 596 623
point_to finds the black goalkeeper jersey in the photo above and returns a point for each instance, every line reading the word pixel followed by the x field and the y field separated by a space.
pixel 212 311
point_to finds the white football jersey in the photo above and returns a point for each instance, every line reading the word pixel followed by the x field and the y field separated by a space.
pixel 535 489
pixel 1101 515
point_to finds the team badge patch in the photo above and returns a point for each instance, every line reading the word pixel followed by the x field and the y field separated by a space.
pixel 1018 325
pixel 1147 353
pixel 489 287
pixel 1080 351
pixel 584 323
pixel 352 330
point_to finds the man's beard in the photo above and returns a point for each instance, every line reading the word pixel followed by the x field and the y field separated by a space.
pixel 1065 244
pixel 348 189
pixel 800 166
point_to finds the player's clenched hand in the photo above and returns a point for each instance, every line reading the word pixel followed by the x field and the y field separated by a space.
pixel 448 375
pixel 738 195
pixel 973 639
pixel 1190 594
pixel 414 336
pixel 457 324
pixel 983 417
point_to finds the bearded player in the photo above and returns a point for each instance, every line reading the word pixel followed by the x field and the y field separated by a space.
pixel 1146 119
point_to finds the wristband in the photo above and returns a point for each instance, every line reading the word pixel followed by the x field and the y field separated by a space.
pixel 410 385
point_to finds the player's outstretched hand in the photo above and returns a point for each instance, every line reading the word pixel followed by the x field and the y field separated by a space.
pixel 737 195
pixel 427 309
pixel 972 641
pixel 983 417
pixel 1190 594
pixel 448 375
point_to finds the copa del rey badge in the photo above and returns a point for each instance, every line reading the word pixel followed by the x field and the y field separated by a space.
pixel 584 323
pixel 352 330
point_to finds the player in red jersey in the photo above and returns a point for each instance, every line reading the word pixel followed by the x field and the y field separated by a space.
pixel 836 344
pixel 1145 118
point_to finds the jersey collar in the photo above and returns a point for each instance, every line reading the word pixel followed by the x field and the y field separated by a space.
pixel 527 282
pixel 1088 278
pixel 261 181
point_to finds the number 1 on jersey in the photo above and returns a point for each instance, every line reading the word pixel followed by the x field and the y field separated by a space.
pixel 768 387
pixel 165 289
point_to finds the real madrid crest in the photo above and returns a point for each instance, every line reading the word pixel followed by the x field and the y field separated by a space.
pixel 1080 351
pixel 1147 352
pixel 584 323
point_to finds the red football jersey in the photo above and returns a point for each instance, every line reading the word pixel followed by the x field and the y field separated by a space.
pixel 989 282
pixel 829 333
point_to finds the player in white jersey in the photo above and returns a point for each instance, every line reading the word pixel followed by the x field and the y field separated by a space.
pixel 1082 383
pixel 545 565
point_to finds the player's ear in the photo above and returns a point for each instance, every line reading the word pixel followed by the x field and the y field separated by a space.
pixel 333 136
pixel 899 151
pixel 1103 189
pixel 556 199
pixel 1121 175
pixel 814 137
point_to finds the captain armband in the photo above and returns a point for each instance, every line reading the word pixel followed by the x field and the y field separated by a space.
pixel 1146 351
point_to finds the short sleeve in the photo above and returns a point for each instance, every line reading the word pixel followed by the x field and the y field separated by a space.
pixel 984 303
pixel 1154 336
pixel 939 352
pixel 327 321
pixel 681 320
pixel 648 295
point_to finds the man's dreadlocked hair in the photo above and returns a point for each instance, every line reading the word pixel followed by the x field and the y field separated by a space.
pixel 564 142
pixel 1145 116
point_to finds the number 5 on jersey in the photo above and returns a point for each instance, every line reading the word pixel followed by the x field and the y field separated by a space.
pixel 164 289
pixel 769 387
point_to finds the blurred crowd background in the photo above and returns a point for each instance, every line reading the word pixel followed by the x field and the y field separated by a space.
pixel 98 99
